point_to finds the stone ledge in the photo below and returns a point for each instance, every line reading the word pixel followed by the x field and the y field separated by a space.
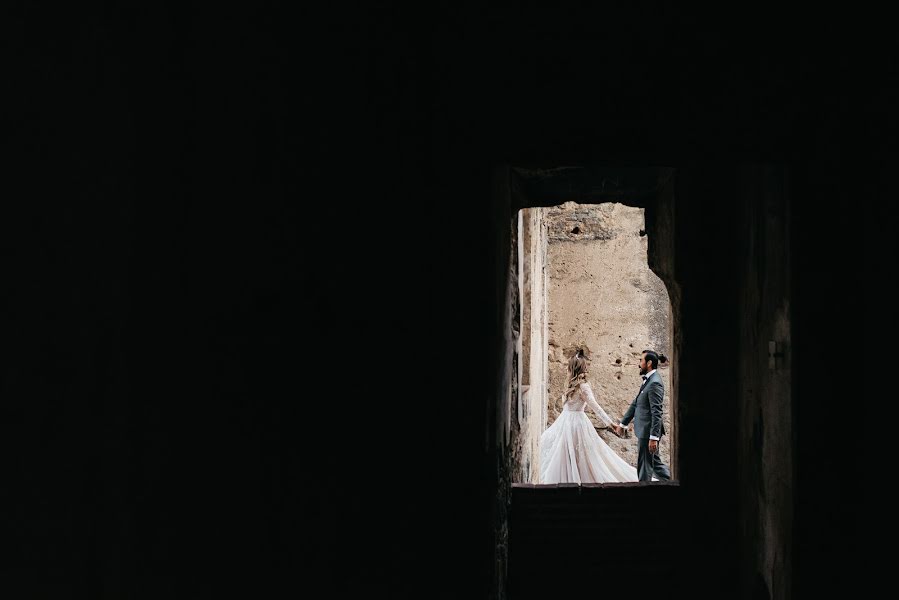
pixel 627 484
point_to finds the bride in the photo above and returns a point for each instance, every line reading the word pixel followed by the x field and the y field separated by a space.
pixel 570 449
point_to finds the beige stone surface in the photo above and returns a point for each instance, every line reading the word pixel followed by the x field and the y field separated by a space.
pixel 602 296
pixel 531 409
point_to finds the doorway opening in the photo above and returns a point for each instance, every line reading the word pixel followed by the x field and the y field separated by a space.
pixel 585 283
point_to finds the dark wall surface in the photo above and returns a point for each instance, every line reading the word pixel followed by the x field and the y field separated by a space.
pixel 230 233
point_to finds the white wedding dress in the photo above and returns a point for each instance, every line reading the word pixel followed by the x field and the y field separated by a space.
pixel 572 452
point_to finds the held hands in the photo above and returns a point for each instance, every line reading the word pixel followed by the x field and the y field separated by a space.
pixel 618 430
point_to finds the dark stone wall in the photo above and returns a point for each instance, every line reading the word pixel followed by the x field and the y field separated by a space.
pixel 765 419
pixel 706 400
pixel 230 232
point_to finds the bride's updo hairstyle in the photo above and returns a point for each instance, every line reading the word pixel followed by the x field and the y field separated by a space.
pixel 577 372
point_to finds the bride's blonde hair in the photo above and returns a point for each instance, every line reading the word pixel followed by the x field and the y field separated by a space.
pixel 577 372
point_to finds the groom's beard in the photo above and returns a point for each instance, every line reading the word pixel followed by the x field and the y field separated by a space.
pixel 644 371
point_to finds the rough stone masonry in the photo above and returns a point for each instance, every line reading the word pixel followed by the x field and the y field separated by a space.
pixel 602 296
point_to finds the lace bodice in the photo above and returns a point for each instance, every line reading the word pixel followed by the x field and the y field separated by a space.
pixel 579 400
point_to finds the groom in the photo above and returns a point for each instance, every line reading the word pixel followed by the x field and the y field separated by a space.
pixel 646 412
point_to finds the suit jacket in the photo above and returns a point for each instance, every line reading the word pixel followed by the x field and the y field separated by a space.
pixel 646 409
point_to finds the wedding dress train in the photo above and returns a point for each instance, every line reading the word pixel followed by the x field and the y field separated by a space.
pixel 571 450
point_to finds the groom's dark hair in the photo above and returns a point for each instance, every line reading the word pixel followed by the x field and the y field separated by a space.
pixel 652 357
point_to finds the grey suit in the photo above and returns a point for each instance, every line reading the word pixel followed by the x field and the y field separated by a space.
pixel 646 412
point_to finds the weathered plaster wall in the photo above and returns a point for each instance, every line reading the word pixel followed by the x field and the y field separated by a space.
pixel 602 296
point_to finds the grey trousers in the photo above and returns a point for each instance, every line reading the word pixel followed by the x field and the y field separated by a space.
pixel 650 464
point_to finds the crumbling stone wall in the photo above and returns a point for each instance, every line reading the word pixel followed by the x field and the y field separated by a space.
pixel 531 408
pixel 602 296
